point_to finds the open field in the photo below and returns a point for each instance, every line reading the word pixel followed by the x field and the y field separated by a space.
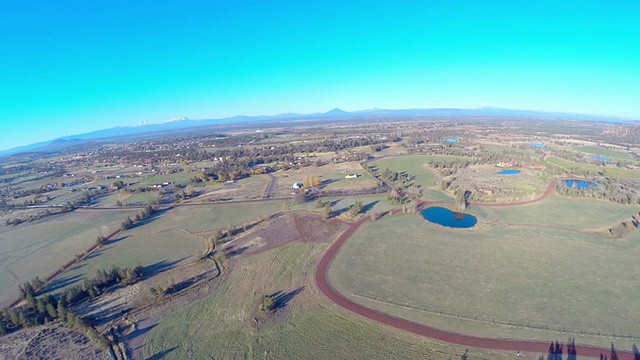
pixel 166 239
pixel 514 282
pixel 136 199
pixel 610 171
pixel 373 203
pixel 413 165
pixel 577 214
pixel 208 217
pixel 156 251
pixel 435 195
pixel 182 178
pixel 37 249
pixel 500 148
pixel 613 154
pixel 50 342
pixel 308 327
pixel 251 187
pixel 332 176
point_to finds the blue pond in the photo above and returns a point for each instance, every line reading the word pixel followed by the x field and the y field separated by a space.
pixel 509 172
pixel 445 217
pixel 580 184
pixel 450 139
pixel 538 145
pixel 600 158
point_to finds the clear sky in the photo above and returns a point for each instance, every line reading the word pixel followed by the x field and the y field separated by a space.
pixel 68 66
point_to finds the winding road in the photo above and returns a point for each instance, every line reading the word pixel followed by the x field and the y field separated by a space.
pixel 430 332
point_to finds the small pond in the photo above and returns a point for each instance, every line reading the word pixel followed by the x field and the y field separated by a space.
pixel 538 145
pixel 445 217
pixel 509 172
pixel 580 184
pixel 450 139
pixel 600 158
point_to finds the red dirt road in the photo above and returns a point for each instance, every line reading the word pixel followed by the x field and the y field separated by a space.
pixel 423 330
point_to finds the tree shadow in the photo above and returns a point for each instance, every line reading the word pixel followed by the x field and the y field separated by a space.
pixel 160 266
pixel 162 354
pixel 326 182
pixel 107 315
pixel 61 283
pixel 369 206
pixel 139 332
pixel 281 299
pixel 117 240
pixel 176 288
pixel 335 202
pixel 339 212
pixel 94 254
pixel 572 352
pixel 156 214
pixel 231 251
pixel 465 356
pixel 77 266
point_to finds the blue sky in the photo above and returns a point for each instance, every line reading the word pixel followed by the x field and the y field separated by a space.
pixel 68 67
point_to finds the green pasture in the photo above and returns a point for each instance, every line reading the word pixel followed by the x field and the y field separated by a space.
pixel 414 165
pixel 500 149
pixel 208 217
pixel 155 249
pixel 570 213
pixel 516 282
pixel 614 154
pixel 311 327
pixel 332 176
pixel 435 195
pixel 608 170
pixel 181 178
pixel 169 237
pixel 37 249
pixel 141 198
pixel 372 204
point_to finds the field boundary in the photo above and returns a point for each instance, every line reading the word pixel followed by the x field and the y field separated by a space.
pixel 325 287
pixel 498 322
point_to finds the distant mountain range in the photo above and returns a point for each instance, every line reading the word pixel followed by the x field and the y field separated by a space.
pixel 181 123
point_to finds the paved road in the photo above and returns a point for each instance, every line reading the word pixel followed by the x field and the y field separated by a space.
pixel 271 187
pixel 423 330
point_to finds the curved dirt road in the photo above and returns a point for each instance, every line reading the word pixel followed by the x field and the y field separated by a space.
pixel 423 330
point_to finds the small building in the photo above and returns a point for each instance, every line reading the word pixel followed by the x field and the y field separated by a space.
pixel 351 176
pixel 487 191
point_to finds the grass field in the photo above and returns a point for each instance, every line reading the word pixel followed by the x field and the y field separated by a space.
pixel 182 178
pixel 499 149
pixel 252 187
pixel 154 250
pixel 222 325
pixel 209 217
pixel 374 203
pixel 610 171
pixel 469 281
pixel 414 165
pixel 435 195
pixel 332 176
pixel 614 154
pixel 166 239
pixel 27 251
pixel 577 214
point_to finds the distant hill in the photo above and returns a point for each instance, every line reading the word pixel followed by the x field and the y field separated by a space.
pixel 182 123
